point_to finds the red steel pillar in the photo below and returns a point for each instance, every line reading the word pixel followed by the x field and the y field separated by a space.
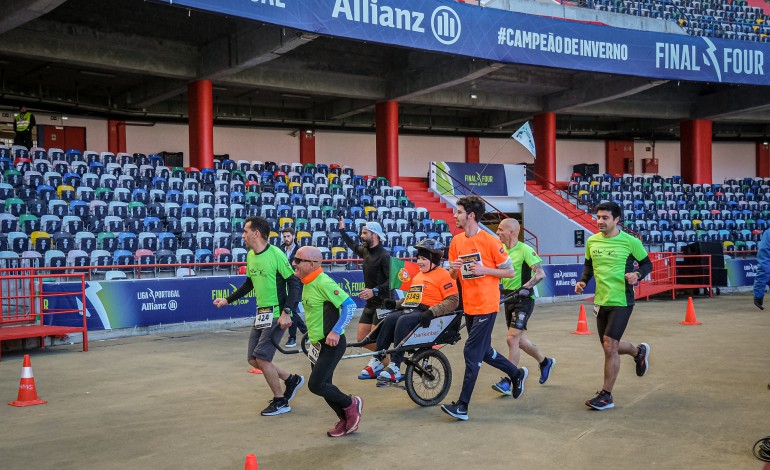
pixel 695 151
pixel 387 140
pixel 200 109
pixel 544 130
pixel 763 159
pixel 472 149
pixel 306 146
pixel 116 136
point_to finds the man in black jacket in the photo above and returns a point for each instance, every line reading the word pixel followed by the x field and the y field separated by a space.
pixel 376 283
pixel 290 248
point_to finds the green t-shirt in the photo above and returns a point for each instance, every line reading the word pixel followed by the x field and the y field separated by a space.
pixel 612 258
pixel 264 270
pixel 523 257
pixel 322 298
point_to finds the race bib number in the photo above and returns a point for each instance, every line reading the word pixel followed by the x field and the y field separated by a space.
pixel 312 354
pixel 264 318
pixel 468 261
pixel 413 298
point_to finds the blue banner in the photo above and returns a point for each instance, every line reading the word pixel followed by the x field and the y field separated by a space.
pixel 741 272
pixel 141 303
pixel 511 37
pixel 560 280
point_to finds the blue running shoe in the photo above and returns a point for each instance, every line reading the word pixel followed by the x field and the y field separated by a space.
pixel 545 372
pixel 503 386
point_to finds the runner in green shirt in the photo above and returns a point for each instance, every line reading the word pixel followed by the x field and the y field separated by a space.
pixel 328 310
pixel 268 275
pixel 609 258
pixel 529 272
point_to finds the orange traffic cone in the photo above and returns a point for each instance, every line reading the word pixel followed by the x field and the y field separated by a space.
pixel 254 371
pixel 582 326
pixel 689 317
pixel 27 391
pixel 251 463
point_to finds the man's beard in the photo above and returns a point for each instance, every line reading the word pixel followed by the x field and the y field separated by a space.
pixel 367 243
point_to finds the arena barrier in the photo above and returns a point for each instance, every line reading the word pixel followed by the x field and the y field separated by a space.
pixel 28 309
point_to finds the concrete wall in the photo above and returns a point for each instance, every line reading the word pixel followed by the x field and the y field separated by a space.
pixel 554 231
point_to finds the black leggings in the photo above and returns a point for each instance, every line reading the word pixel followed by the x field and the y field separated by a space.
pixel 320 382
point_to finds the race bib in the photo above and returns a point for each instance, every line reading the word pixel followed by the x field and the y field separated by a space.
pixel 264 318
pixel 413 297
pixel 312 354
pixel 468 261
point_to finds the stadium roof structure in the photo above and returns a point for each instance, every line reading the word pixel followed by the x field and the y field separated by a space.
pixel 133 60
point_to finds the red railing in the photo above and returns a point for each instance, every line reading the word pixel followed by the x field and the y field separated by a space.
pixel 669 275
pixel 24 304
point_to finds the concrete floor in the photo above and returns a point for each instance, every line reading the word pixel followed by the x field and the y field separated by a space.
pixel 185 401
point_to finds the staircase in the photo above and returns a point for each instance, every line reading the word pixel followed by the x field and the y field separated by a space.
pixel 417 191
pixel 555 200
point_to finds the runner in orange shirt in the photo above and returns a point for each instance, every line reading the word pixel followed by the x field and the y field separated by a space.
pixel 479 261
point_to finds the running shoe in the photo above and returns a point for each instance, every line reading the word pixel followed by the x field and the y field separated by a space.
pixel 291 343
pixel 602 401
pixel 339 429
pixel 353 414
pixel 372 369
pixel 391 374
pixel 642 365
pixel 545 372
pixel 293 383
pixel 456 410
pixel 518 383
pixel 503 386
pixel 277 406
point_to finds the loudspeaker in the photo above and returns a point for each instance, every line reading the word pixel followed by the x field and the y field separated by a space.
pixel 702 248
pixel 584 169
pixel 719 277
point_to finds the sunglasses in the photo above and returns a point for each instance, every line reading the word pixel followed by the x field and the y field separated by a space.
pixel 300 260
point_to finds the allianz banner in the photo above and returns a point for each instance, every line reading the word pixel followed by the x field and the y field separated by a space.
pixel 560 280
pixel 141 303
pixel 484 180
pixel 511 37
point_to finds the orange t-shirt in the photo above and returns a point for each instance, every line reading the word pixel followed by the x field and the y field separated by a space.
pixel 430 288
pixel 481 294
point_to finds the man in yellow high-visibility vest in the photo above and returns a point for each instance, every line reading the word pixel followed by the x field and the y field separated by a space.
pixel 23 123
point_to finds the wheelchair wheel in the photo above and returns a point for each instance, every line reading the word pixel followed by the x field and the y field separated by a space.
pixel 428 377
pixel 304 342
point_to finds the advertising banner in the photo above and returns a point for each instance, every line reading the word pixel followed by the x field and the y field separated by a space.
pixel 511 37
pixel 741 272
pixel 141 303
pixel 482 179
pixel 560 280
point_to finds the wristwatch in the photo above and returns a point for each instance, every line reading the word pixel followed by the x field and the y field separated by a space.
pixel 376 291
pixel 287 311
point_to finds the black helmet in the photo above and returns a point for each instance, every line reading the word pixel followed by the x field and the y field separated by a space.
pixel 430 249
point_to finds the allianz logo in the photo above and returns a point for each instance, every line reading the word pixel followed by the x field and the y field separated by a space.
pixel 444 22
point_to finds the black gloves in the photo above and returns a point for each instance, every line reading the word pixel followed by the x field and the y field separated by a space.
pixel 425 318
pixel 389 303
pixel 524 292
pixel 758 303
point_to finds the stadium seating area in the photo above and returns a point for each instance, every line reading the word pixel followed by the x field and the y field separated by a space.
pixel 728 19
pixel 73 208
pixel 668 214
